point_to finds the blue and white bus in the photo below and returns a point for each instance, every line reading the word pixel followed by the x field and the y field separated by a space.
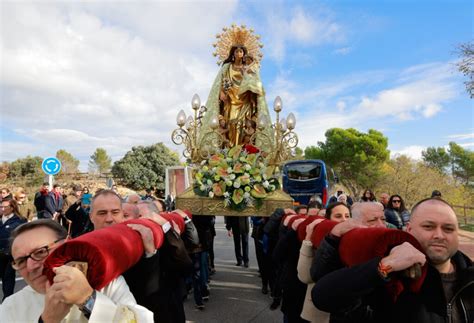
pixel 305 179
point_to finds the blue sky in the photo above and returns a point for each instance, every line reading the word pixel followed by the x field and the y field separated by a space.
pixel 114 74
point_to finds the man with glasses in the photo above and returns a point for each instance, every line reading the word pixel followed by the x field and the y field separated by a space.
pixel 10 220
pixel 70 297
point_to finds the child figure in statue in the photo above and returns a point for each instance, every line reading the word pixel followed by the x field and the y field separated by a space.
pixel 223 131
pixel 250 68
pixel 249 129
pixel 237 92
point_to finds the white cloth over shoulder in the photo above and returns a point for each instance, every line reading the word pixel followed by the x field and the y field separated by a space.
pixel 114 303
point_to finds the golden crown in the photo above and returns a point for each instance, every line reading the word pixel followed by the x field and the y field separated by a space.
pixel 237 35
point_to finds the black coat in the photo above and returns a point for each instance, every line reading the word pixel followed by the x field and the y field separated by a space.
pixel 205 229
pixel 81 222
pixel 286 255
pixel 5 231
pixel 53 205
pixel 157 282
pixel 40 201
pixel 358 294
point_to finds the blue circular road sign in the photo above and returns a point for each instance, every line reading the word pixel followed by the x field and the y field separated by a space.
pixel 51 165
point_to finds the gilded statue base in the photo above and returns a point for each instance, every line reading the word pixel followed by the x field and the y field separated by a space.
pixel 199 205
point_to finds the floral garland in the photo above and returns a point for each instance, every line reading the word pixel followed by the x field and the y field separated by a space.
pixel 235 175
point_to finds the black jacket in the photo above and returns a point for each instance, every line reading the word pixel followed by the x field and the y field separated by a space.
pixel 81 222
pixel 204 226
pixel 392 216
pixel 286 255
pixel 238 224
pixel 6 230
pixel 53 205
pixel 157 282
pixel 358 294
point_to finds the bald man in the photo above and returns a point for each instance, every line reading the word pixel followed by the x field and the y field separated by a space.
pixel 447 293
pixel 383 198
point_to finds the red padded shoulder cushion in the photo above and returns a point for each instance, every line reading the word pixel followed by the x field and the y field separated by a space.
pixel 302 226
pixel 176 218
pixel 363 244
pixel 321 230
pixel 293 219
pixel 109 251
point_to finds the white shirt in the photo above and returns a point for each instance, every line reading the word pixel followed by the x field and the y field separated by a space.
pixel 113 303
pixel 5 218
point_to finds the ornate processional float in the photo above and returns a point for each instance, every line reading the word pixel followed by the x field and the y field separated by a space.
pixel 235 149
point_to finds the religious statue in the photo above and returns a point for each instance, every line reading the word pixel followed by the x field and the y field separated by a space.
pixel 237 94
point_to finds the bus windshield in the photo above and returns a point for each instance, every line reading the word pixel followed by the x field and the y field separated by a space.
pixel 303 171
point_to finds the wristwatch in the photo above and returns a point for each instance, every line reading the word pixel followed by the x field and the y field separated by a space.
pixel 88 305
pixel 166 227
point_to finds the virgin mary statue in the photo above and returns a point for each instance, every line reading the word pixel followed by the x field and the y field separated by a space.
pixel 237 97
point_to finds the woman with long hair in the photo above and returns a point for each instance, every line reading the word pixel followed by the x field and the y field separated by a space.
pixel 368 196
pixel 396 213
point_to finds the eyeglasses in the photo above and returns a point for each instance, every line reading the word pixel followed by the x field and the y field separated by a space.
pixel 396 201
pixel 37 255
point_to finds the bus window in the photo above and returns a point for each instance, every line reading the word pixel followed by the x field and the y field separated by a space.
pixel 304 179
pixel 304 171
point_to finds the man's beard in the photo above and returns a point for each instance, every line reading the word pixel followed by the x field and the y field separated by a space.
pixel 437 257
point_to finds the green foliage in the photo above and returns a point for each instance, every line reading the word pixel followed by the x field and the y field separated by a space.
pixel 415 180
pixel 466 65
pixel 462 164
pixel 355 156
pixel 145 167
pixel 436 158
pixel 4 171
pixel 456 160
pixel 100 162
pixel 28 167
pixel 69 164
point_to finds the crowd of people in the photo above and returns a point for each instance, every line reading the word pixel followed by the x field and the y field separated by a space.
pixel 301 256
pixel 319 268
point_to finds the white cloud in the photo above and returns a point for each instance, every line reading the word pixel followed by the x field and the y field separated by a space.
pixel 423 91
pixel 307 28
pixel 413 151
pixel 343 50
pixel 465 136
pixel 341 105
pixel 91 75
pixel 311 128
pixel 415 92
